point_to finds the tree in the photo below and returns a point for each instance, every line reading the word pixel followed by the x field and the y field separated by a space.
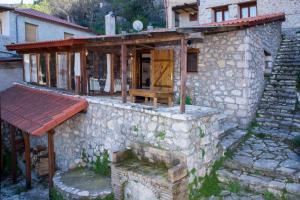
pixel 91 13
pixel 40 5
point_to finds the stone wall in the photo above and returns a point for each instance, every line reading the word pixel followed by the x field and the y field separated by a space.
pixel 230 73
pixel 259 39
pixel 109 124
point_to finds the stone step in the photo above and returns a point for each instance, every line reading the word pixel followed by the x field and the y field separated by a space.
pixel 285 116
pixel 283 77
pixel 266 157
pixel 226 128
pixel 282 82
pixel 260 184
pixel 288 107
pixel 278 123
pixel 284 94
pixel 231 140
pixel 290 89
pixel 278 134
pixel 279 100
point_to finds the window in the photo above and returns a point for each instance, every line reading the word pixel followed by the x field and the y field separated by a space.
pixel 68 35
pixel 248 10
pixel 221 14
pixel 30 32
pixel 30 68
pixel 192 60
pixel 268 62
pixel 193 16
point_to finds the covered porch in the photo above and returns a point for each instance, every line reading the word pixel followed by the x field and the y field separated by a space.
pixel 132 65
pixel 34 113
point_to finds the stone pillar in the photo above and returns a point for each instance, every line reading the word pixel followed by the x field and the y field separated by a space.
pixel 110 29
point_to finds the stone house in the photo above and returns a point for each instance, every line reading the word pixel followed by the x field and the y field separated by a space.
pixel 26 25
pixel 219 66
pixel 195 12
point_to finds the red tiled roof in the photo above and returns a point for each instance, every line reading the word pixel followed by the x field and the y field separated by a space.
pixel 35 111
pixel 251 21
pixel 43 16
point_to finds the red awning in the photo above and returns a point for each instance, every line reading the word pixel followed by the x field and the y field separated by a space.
pixel 35 111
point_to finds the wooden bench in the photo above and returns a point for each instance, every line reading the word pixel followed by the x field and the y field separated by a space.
pixel 154 94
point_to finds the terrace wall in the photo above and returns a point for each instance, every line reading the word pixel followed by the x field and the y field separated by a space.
pixel 109 124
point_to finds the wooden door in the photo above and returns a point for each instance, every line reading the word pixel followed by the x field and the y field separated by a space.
pixel 162 70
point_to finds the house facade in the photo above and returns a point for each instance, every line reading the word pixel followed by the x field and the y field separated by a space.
pixel 27 25
pixel 218 67
pixel 190 13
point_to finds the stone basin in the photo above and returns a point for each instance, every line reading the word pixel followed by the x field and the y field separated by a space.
pixel 82 183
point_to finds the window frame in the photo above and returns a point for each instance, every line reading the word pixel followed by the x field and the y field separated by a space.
pixel 36 31
pixel 247 5
pixel 222 9
pixel 193 51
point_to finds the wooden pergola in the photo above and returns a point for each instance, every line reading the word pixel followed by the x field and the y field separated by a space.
pixel 122 43
pixel 35 113
pixel 112 44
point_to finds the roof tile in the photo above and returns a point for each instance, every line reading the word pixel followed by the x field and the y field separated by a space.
pixel 35 111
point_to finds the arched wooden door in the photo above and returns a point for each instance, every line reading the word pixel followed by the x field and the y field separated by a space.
pixel 162 70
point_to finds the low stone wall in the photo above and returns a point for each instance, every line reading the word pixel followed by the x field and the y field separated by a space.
pixel 109 124
pixel 145 172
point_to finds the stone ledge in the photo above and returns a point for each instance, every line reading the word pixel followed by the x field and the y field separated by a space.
pixel 192 112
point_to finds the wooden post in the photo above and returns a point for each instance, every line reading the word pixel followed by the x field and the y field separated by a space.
pixel 83 71
pixel 124 72
pixel 27 159
pixel 12 131
pixel 51 158
pixel 183 74
pixel 112 74
pixel 48 72
pixel 77 84
pixel 1 146
pixel 69 63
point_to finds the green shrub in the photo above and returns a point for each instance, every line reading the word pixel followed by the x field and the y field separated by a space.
pixel 188 100
pixel 101 165
pixel 55 195
pixel 234 187
pixel 269 196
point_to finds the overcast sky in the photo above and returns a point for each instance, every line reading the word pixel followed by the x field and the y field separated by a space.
pixel 15 1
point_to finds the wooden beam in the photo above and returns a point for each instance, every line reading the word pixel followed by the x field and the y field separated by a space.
pixel 1 148
pixel 27 159
pixel 48 72
pixel 183 74
pixel 124 72
pixel 112 74
pixel 51 157
pixel 12 131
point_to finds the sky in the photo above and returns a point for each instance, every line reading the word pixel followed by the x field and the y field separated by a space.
pixel 15 1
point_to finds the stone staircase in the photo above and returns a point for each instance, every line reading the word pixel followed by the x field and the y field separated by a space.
pixel 267 161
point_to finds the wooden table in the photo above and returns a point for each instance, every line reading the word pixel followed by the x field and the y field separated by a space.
pixel 154 94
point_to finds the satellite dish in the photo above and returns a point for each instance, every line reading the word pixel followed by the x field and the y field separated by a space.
pixel 137 25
